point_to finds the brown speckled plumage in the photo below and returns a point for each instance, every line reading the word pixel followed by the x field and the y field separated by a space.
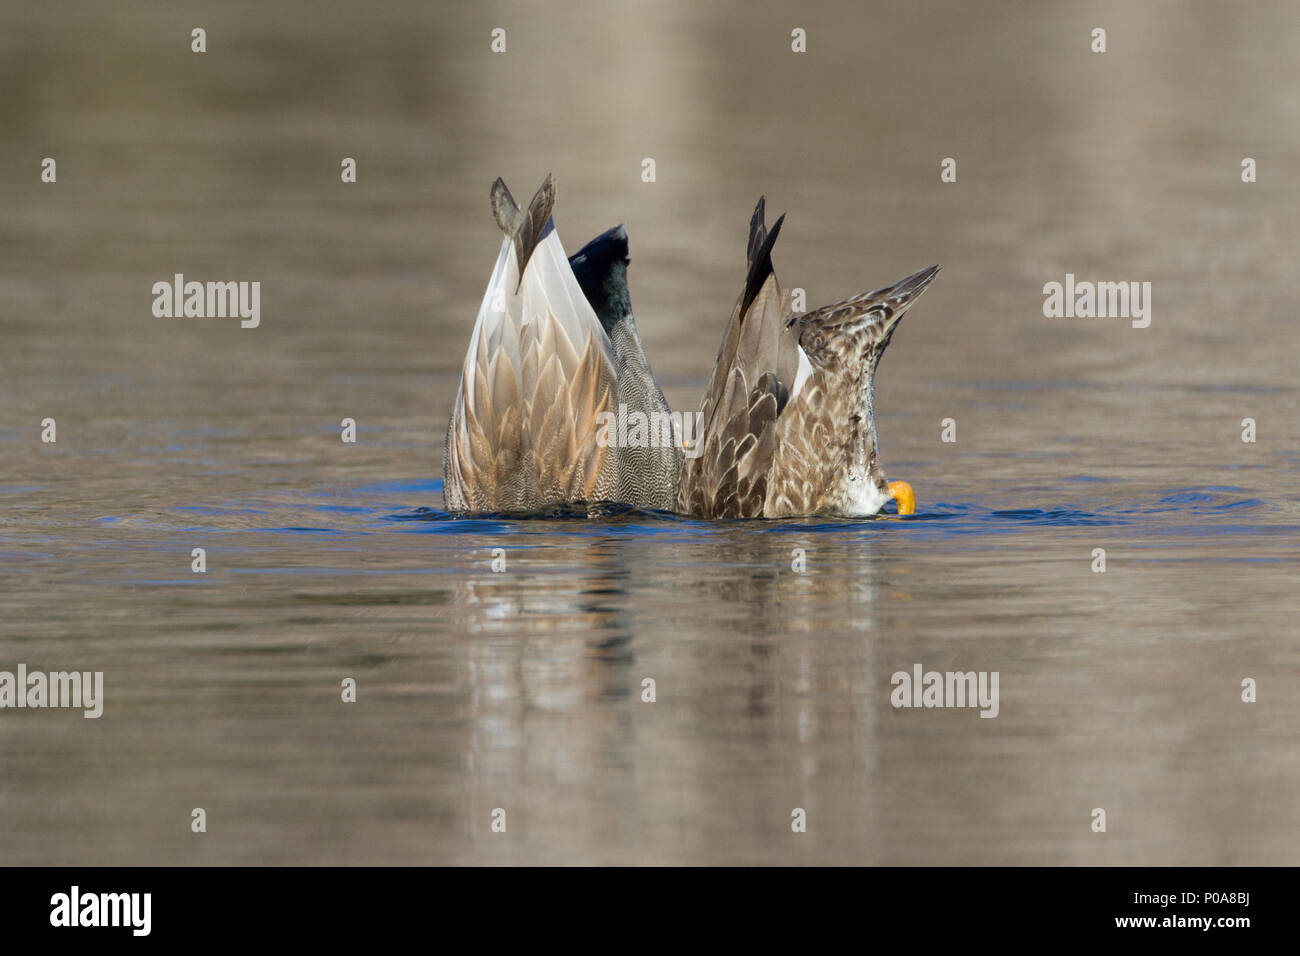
pixel 787 421
pixel 778 443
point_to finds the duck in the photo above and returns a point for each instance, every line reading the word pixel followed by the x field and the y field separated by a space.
pixel 787 423
pixel 554 358
pixel 649 467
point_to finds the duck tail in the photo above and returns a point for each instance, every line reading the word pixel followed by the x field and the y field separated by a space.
pixel 868 320
pixel 902 293
pixel 759 252
pixel 525 229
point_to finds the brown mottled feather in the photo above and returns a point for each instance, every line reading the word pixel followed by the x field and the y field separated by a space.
pixel 767 452
pixel 523 433
pixel 745 394
pixel 826 439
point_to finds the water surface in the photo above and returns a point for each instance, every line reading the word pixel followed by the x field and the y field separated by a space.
pixel 522 689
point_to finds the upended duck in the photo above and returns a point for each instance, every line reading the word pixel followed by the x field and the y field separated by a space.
pixel 554 359
pixel 787 424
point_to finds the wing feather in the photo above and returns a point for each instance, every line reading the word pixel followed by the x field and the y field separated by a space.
pixel 748 389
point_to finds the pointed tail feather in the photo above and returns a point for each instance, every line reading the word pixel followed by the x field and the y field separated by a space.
pixel 835 335
pixel 525 229
pixel 760 262
pixel 757 231
pixel 883 307
pixel 505 210
pixel 903 292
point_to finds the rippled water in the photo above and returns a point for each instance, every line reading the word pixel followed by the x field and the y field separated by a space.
pixel 522 689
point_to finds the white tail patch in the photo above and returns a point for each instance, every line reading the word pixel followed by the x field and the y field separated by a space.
pixel 504 277
pixel 549 292
pixel 805 369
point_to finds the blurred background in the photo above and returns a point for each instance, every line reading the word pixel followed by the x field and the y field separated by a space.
pixel 521 690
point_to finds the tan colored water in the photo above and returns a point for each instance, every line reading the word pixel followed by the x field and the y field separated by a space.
pixel 522 690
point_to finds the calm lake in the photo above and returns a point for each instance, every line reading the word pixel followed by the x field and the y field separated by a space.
pixel 522 689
